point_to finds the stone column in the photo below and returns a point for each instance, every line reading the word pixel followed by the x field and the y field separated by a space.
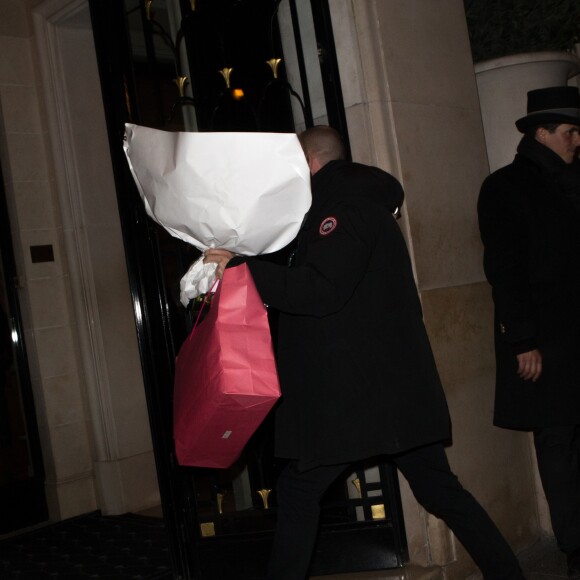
pixel 50 336
pixel 80 330
pixel 412 108
pixel 115 408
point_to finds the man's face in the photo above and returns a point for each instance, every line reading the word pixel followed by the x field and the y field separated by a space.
pixel 564 141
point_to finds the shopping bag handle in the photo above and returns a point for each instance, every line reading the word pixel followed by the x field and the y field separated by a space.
pixel 205 301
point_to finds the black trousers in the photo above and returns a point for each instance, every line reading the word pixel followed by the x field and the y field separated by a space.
pixel 558 454
pixel 435 487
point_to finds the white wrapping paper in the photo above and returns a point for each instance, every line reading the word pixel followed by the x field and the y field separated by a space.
pixel 244 192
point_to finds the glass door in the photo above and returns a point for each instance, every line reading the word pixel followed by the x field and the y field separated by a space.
pixel 22 497
pixel 226 65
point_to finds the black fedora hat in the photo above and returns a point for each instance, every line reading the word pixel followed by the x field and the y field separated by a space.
pixel 551 105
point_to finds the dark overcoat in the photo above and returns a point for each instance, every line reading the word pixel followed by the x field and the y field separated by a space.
pixel 357 373
pixel 529 220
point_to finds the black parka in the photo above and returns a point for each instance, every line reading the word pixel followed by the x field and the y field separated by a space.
pixel 357 373
pixel 529 219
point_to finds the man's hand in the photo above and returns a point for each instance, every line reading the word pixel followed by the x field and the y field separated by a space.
pixel 220 257
pixel 530 365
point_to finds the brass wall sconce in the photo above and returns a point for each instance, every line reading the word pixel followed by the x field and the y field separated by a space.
pixel 181 83
pixel 264 493
pixel 274 63
pixel 226 73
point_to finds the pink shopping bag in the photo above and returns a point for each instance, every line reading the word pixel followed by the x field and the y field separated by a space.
pixel 225 376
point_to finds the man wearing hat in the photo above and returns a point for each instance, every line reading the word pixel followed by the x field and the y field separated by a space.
pixel 529 218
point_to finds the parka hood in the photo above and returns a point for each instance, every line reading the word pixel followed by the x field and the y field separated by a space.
pixel 345 179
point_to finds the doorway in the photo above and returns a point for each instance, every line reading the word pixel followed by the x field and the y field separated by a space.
pixel 168 65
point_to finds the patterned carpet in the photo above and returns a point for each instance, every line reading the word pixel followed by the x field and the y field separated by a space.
pixel 127 547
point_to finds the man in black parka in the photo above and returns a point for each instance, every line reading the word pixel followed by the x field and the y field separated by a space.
pixel 529 216
pixel 356 369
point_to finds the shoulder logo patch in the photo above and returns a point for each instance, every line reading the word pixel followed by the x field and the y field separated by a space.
pixel 327 226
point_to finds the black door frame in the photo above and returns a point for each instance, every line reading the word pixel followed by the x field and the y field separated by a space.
pixel 150 302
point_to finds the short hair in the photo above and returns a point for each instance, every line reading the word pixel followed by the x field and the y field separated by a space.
pixel 550 127
pixel 323 143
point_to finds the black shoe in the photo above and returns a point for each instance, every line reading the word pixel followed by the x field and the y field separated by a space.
pixel 574 565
